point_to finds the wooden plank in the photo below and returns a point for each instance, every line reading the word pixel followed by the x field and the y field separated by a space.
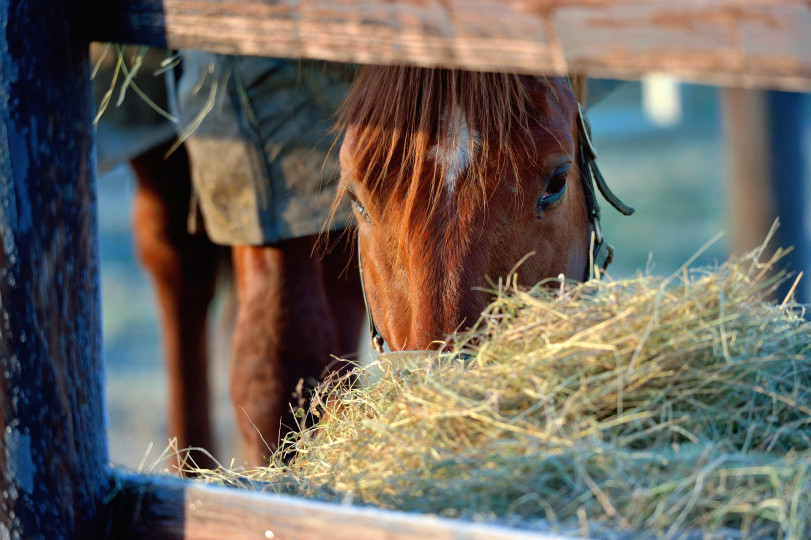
pixel 53 447
pixel 748 43
pixel 162 508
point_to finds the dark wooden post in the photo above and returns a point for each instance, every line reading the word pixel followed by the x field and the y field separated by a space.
pixel 53 448
pixel 791 177
pixel 768 174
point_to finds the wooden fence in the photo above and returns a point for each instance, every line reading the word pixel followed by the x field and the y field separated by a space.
pixel 53 452
pixel 734 42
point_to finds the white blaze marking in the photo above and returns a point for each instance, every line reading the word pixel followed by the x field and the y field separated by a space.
pixel 455 152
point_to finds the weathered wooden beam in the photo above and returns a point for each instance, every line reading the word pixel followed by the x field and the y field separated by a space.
pixel 53 446
pixel 748 43
pixel 165 508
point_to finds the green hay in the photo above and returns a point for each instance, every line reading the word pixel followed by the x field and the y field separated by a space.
pixel 650 404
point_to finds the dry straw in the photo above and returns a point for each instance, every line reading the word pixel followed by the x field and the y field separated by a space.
pixel 664 405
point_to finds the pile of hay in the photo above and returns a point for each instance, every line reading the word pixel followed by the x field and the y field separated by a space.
pixel 664 405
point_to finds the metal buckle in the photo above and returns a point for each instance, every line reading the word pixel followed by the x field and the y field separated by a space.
pixel 602 253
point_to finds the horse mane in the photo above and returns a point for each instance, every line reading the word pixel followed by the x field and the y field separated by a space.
pixel 398 114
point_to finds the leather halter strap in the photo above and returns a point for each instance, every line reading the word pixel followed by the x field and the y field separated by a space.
pixel 601 253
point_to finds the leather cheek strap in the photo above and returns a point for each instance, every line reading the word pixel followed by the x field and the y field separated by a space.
pixel 601 253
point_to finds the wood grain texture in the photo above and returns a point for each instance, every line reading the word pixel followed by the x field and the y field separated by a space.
pixel 53 446
pixel 748 43
pixel 172 509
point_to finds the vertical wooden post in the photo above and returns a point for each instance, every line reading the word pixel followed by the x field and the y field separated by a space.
pixel 53 448
pixel 750 202
pixel 790 180
pixel 767 174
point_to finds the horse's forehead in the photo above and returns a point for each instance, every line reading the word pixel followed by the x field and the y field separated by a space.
pixel 456 148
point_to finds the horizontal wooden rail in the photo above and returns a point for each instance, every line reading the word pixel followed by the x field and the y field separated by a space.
pixel 165 508
pixel 748 43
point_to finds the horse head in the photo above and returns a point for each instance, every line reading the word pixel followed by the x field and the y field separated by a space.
pixel 456 178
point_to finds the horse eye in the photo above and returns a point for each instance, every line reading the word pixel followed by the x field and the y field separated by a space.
pixel 555 189
pixel 358 207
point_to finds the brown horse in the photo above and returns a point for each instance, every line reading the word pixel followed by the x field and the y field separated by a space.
pixel 456 176
pixel 298 305
pixel 453 177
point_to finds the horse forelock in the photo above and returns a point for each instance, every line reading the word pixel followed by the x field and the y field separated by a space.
pixel 416 128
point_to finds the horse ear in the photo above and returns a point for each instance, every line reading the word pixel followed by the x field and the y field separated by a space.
pixel 580 88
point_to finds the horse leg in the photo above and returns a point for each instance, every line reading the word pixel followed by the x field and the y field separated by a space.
pixel 283 338
pixel 183 270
